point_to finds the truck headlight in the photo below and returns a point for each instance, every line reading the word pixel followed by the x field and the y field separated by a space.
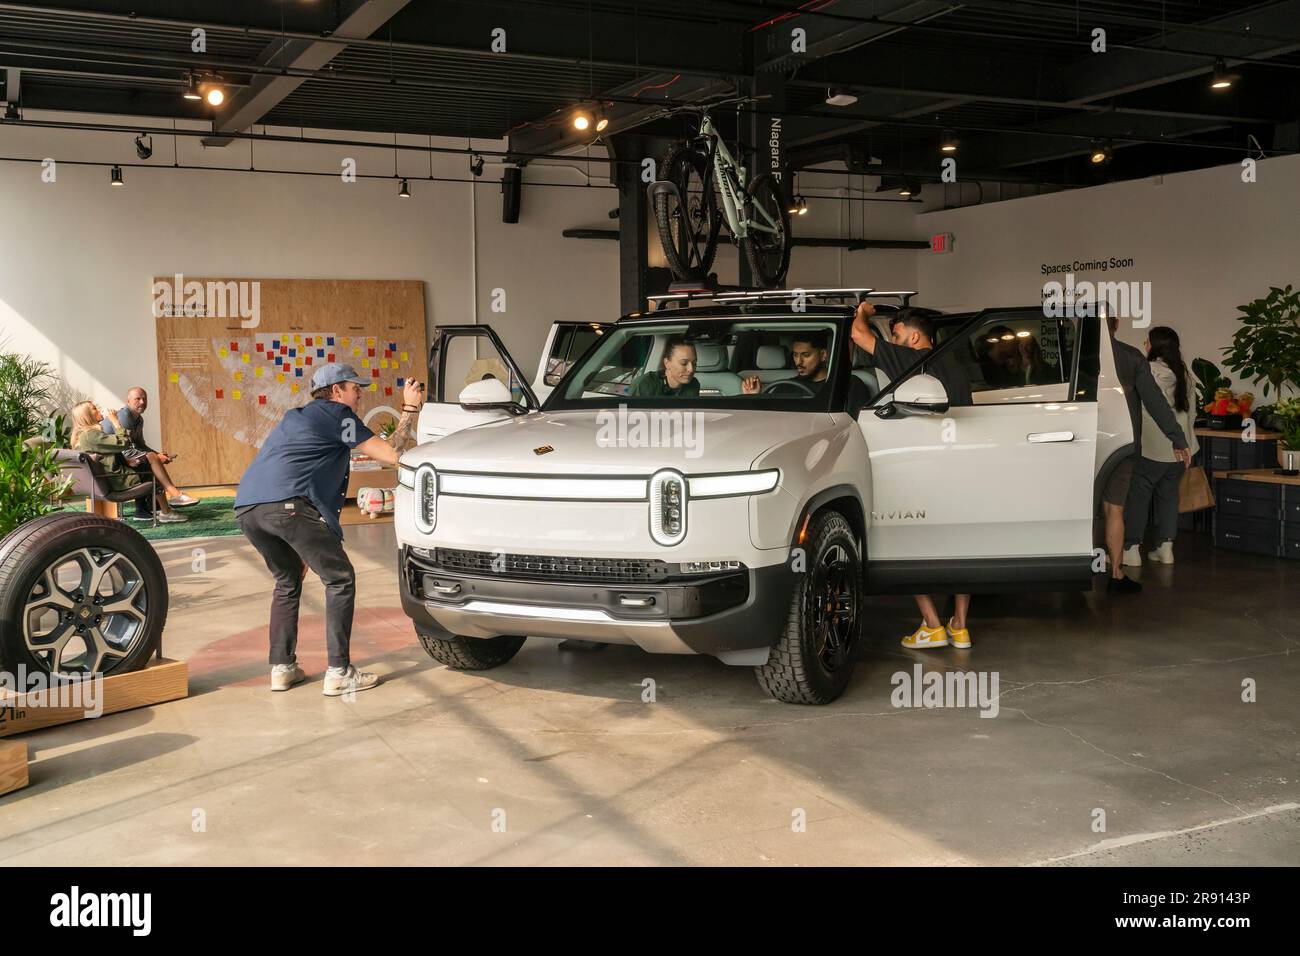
pixel 735 483
pixel 406 476
pixel 426 498
pixel 668 507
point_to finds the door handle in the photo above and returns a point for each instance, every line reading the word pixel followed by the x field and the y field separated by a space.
pixel 1040 437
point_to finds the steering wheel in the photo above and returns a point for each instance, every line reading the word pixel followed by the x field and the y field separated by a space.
pixel 788 383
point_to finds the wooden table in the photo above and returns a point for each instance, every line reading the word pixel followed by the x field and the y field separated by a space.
pixel 370 478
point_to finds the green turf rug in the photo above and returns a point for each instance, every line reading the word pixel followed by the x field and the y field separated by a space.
pixel 211 516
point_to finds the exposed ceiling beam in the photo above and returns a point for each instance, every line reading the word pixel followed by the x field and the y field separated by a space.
pixel 846 26
pixel 264 92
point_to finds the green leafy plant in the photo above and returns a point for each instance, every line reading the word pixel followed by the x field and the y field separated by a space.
pixel 1266 347
pixel 1286 419
pixel 30 482
pixel 1208 380
pixel 26 391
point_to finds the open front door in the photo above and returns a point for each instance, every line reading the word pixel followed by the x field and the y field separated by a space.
pixel 996 495
pixel 460 356
pixel 566 343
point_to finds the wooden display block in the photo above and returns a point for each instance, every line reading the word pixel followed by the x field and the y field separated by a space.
pixel 13 766
pixel 158 683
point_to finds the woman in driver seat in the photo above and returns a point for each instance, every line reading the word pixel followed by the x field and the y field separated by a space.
pixel 675 377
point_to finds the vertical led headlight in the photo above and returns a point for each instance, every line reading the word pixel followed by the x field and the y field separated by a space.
pixel 426 498
pixel 668 507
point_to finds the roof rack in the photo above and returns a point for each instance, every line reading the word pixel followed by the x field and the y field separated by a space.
pixel 854 293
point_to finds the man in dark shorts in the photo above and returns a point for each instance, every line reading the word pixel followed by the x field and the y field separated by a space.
pixel 911 337
pixel 288 507
pixel 1141 391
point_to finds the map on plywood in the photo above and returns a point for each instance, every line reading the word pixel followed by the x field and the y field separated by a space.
pixel 235 354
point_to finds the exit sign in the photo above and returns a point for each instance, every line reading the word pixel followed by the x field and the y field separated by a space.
pixel 941 242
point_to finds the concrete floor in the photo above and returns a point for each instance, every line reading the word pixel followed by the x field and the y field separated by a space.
pixel 1128 706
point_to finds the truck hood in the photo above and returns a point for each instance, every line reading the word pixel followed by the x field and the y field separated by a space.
pixel 616 442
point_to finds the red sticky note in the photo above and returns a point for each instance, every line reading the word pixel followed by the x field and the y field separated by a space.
pixel 221 393
pixel 374 373
pixel 308 359
pixel 388 353
pixel 308 342
pixel 261 399
pixel 259 346
pixel 388 390
pixel 284 350
pixel 370 353
pixel 330 358
pixel 234 346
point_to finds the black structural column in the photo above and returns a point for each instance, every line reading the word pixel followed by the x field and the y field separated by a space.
pixel 636 279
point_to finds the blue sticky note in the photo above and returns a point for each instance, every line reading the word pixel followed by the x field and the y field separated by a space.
pixel 329 340
pixel 320 353
pixel 297 373
pixel 275 343
pixel 401 382
pixel 392 346
pixel 292 352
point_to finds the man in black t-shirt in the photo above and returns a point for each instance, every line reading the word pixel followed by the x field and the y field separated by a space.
pixel 913 337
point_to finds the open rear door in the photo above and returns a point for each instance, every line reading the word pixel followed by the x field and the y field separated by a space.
pixel 566 343
pixel 460 356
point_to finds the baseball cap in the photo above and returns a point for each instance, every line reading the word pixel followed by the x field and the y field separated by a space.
pixel 335 373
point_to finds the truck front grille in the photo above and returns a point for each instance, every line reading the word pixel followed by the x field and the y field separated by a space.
pixel 552 568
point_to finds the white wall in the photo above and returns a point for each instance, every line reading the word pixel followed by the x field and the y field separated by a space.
pixel 77 256
pixel 1206 241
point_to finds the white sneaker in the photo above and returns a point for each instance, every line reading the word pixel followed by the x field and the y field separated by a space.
pixel 284 676
pixel 1133 557
pixel 170 517
pixel 1163 554
pixel 183 501
pixel 339 682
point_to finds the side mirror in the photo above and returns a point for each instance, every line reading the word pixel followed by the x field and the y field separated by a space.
pixel 919 395
pixel 489 393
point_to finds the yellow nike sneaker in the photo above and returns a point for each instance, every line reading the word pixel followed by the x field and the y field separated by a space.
pixel 926 637
pixel 959 636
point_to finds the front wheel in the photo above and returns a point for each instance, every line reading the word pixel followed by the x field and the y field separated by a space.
pixel 768 244
pixel 688 223
pixel 813 658
pixel 471 653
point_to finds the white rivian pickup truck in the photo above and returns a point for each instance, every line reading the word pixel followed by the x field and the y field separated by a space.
pixel 729 475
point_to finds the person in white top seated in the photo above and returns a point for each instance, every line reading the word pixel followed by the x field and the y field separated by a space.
pixel 1158 470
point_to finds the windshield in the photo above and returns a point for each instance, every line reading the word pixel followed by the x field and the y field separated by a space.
pixel 763 363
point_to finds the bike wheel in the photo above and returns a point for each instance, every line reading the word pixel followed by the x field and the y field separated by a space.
pixel 688 230
pixel 768 244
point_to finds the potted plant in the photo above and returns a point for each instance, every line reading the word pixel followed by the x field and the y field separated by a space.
pixel 1286 418
pixel 1266 346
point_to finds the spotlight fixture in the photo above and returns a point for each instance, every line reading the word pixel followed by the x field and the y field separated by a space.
pixel 142 149
pixel 213 92
pixel 115 177
pixel 582 120
pixel 840 97
pixel 907 190
pixel 949 142
pixel 476 164
pixel 405 191
pixel 1222 79
pixel 602 120
pixel 1101 153
pixel 11 111
pixel 192 88
pixel 799 207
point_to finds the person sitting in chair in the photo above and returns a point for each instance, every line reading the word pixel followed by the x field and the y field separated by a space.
pixel 110 450
pixel 129 421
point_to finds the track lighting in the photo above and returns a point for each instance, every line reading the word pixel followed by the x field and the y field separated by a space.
pixel 582 120
pixel 949 142
pixel 1101 153
pixel 405 191
pixel 115 177
pixel 1222 79
pixel 213 92
pixel 799 207
pixel 907 190
pixel 142 149
pixel 192 88
pixel 602 120
pixel 476 165
pixel 11 111
pixel 840 97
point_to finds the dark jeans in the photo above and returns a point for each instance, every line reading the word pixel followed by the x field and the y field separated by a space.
pixel 1158 480
pixel 145 504
pixel 286 534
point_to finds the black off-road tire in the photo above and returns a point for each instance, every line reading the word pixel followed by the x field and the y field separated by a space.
pixel 678 162
pixel 769 275
pixel 471 653
pixel 794 672
pixel 31 548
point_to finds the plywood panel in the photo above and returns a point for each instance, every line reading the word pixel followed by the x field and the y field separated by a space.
pixel 161 681
pixel 224 387
pixel 13 766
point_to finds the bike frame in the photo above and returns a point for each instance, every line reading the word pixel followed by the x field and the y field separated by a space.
pixel 731 184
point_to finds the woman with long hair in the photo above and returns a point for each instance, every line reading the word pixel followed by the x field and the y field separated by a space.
pixel 1157 472
pixel 87 436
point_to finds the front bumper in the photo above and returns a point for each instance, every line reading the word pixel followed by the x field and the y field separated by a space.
pixel 734 616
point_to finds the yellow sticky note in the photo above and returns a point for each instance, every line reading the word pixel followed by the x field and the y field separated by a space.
pixel 257 372
pixel 173 378
pixel 298 360
pixel 345 343
pixel 279 376
pixel 243 357
pixel 374 387
pixel 356 352
pixel 297 339
pixel 239 376
pixel 223 351
pixel 294 388
pixel 235 394
pixel 405 358
pixel 383 363
pixel 365 363
pixel 371 340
